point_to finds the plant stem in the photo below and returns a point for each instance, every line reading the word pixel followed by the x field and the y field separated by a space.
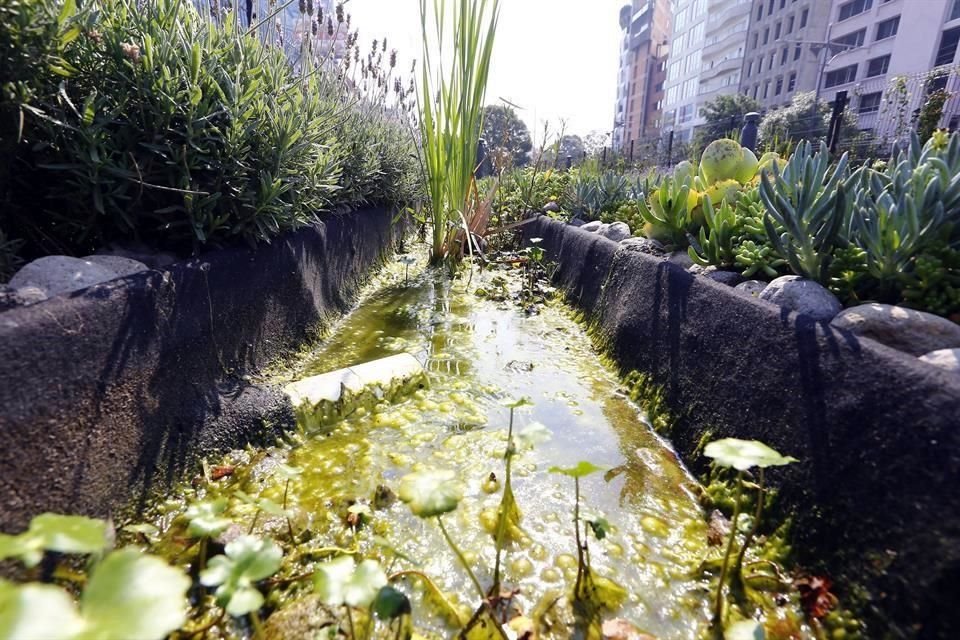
pixel 576 529
pixel 353 632
pixel 738 566
pixel 463 561
pixel 502 519
pixel 253 523
pixel 718 605
pixel 286 488
pixel 257 625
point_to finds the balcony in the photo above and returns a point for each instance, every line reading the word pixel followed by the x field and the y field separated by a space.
pixel 716 44
pixel 739 9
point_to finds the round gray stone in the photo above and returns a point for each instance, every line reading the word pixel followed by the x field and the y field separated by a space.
pixel 751 287
pixel 806 297
pixel 617 231
pixel 61 274
pixel 551 207
pixel 592 227
pixel 576 222
pixel 908 330
pixel 729 278
pixel 948 359
pixel 119 265
pixel 643 245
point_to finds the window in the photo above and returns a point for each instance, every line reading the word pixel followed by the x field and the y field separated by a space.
pixel 750 69
pixel 760 11
pixel 779 88
pixel 840 76
pixel 766 89
pixel 878 66
pixel 770 8
pixel 803 18
pixel 756 89
pixel 955 10
pixel 760 66
pixel 766 35
pixel 783 3
pixel 783 56
pixel 870 102
pixel 854 8
pixel 796 52
pixel 773 56
pixel 792 82
pixel 888 28
pixel 756 38
pixel 776 31
pixel 790 23
pixel 852 39
pixel 948 46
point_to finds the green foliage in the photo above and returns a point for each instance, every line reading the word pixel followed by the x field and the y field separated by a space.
pixel 744 454
pixel 10 259
pixel 205 518
pixel 581 470
pixel 800 120
pixel 933 284
pixel 178 132
pixel 722 115
pixel 451 106
pixel 430 493
pixel 507 137
pixel 668 212
pixel 717 244
pixel 53 532
pixel 931 113
pixel 591 195
pixel 245 561
pixel 811 207
pixel 129 595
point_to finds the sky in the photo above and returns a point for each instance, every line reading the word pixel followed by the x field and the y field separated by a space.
pixel 555 58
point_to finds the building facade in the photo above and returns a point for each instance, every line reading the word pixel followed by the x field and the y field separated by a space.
pixel 682 85
pixel 784 47
pixel 899 51
pixel 724 46
pixel 645 28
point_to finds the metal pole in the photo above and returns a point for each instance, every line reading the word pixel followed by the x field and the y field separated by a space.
pixel 631 150
pixel 670 148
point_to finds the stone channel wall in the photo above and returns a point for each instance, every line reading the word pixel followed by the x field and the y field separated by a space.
pixel 876 496
pixel 110 392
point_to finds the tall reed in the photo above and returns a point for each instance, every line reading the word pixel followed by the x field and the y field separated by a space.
pixel 457 47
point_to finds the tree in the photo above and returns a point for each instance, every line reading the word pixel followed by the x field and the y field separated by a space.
pixel 568 145
pixel 800 121
pixel 725 114
pixel 507 137
pixel 595 142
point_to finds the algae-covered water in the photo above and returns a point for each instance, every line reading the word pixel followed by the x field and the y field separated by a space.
pixel 479 353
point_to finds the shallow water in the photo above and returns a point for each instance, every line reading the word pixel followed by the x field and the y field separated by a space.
pixel 478 353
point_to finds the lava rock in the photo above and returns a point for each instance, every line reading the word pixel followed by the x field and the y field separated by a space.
pixel 118 264
pixel 10 297
pixel 644 245
pixel 551 207
pixel 908 330
pixel 751 287
pixel 681 258
pixel 577 222
pixel 61 274
pixel 948 359
pixel 804 296
pixel 616 231
pixel 138 252
pixel 592 227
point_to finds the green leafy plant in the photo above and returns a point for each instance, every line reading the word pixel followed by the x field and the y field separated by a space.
pixel 668 212
pixel 451 108
pixel 810 202
pixel 716 246
pixel 245 561
pixel 740 455
pixel 343 582
pixel 54 532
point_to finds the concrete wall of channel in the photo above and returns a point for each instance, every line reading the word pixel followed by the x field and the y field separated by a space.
pixel 114 391
pixel 876 496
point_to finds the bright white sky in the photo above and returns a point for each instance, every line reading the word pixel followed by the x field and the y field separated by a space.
pixel 555 58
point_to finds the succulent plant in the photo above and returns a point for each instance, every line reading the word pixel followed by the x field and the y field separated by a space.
pixel 716 246
pixel 667 212
pixel 811 203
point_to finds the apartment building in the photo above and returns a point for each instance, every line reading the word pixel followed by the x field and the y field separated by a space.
pixel 681 102
pixel 784 49
pixel 645 26
pixel 887 39
pixel 723 48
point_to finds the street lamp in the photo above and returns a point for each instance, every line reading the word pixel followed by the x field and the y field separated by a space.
pixel 829 48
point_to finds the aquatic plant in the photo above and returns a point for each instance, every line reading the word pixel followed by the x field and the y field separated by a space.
pixel 244 561
pixel 129 594
pixel 451 102
pixel 343 582
pixel 508 513
pixel 741 455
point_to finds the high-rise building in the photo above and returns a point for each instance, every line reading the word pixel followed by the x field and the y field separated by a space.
pixel 724 45
pixel 682 85
pixel 889 39
pixel 645 26
pixel 783 49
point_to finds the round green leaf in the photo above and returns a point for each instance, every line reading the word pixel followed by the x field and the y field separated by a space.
pixel 331 578
pixel 244 600
pixel 205 520
pixel 132 596
pixel 533 434
pixel 516 403
pixel 744 630
pixel 744 454
pixel 69 534
pixel 391 604
pixel 582 469
pixel 36 611
pixel 364 583
pixel 430 493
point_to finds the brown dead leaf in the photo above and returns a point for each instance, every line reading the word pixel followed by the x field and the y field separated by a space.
pixel 620 629
pixel 221 471
pixel 717 529
pixel 815 596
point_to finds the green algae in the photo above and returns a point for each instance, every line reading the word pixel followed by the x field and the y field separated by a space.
pixel 477 352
